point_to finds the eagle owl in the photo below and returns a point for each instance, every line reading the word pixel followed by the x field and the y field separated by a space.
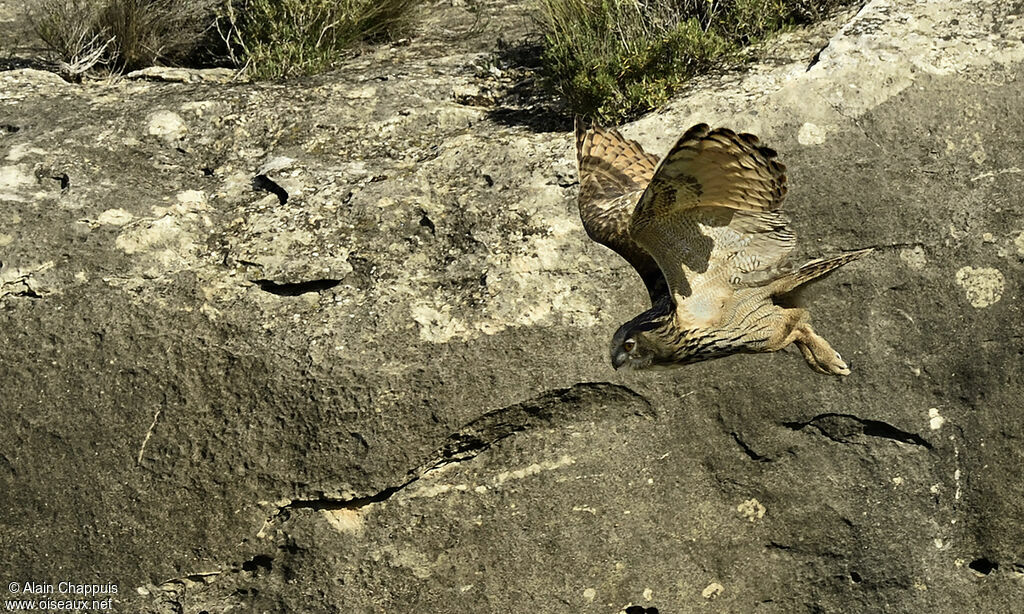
pixel 705 230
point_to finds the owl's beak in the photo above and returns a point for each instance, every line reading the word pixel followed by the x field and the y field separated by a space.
pixel 619 359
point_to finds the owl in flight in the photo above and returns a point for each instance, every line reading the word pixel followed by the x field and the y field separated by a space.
pixel 705 230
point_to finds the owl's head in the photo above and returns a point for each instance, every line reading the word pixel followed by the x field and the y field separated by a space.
pixel 637 344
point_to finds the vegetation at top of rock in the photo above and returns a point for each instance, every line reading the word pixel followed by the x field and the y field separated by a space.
pixel 275 38
pixel 121 34
pixel 612 60
pixel 270 38
pixel 607 59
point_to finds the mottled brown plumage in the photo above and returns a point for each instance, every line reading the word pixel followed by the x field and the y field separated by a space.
pixel 614 172
pixel 705 230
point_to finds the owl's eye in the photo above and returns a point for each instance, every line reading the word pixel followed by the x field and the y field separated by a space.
pixel 629 345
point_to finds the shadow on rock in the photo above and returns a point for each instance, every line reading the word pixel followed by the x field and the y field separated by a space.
pixel 520 98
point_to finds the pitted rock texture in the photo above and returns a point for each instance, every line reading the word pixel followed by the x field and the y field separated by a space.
pixel 339 344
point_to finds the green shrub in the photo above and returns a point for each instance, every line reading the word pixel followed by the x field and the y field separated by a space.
pixel 121 34
pixel 612 60
pixel 275 38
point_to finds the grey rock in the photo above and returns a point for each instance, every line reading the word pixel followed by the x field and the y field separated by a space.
pixel 21 83
pixel 174 74
pixel 376 381
pixel 166 125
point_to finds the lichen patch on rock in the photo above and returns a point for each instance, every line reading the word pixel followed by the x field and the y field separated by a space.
pixel 163 244
pixel 438 325
pixel 812 134
pixel 914 257
pixel 751 509
pixel 712 591
pixel 984 286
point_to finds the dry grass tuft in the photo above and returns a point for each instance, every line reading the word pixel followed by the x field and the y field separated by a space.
pixel 121 34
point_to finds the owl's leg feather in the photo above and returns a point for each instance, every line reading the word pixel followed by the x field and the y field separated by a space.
pixel 788 330
pixel 817 352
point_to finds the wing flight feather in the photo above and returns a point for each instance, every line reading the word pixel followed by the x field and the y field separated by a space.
pixel 711 217
pixel 613 172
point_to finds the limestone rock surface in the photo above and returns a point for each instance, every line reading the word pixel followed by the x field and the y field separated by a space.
pixel 339 344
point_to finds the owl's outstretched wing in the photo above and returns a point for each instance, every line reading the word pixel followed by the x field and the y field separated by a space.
pixel 614 172
pixel 711 218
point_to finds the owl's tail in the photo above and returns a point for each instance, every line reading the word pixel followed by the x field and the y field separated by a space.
pixel 813 270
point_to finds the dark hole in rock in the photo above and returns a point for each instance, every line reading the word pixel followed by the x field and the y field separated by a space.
pixel 262 182
pixel 65 181
pixel 428 224
pixel 260 561
pixel 855 577
pixel 983 566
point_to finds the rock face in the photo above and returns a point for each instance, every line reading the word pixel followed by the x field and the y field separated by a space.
pixel 339 345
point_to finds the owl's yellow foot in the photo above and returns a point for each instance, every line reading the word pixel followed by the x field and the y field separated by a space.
pixel 818 353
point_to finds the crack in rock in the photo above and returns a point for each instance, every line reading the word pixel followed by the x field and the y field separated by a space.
pixel 479 435
pixel 552 407
pixel 22 290
pixel 817 56
pixel 47 173
pixel 325 502
pixel 895 246
pixel 842 427
pixel 774 545
pixel 548 408
pixel 296 288
pixel 754 456
pixel 149 434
